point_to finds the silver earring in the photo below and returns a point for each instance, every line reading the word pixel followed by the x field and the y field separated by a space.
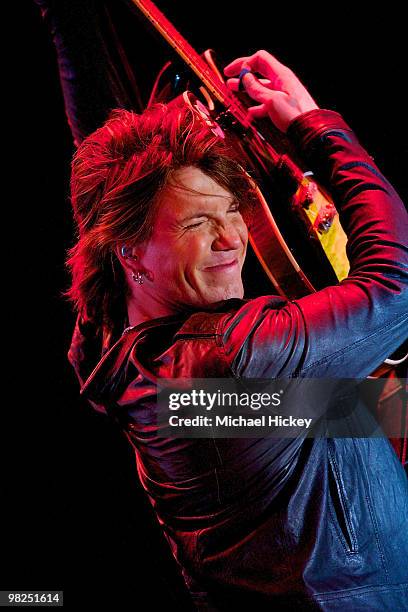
pixel 138 277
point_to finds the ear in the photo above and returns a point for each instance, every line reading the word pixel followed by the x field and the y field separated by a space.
pixel 128 256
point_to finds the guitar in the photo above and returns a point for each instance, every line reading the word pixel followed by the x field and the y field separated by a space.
pixel 296 234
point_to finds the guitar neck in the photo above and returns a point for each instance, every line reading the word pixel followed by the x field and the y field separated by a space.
pixel 216 87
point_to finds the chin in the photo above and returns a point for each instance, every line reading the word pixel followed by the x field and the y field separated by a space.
pixel 228 293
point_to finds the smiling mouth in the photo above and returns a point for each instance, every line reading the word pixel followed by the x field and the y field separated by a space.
pixel 223 267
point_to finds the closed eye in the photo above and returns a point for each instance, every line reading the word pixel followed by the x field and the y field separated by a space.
pixel 195 224
pixel 234 209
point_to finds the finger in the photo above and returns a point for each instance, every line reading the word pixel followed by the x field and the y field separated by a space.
pixel 257 112
pixel 234 83
pixel 235 67
pixel 268 66
pixel 255 89
pixel 264 62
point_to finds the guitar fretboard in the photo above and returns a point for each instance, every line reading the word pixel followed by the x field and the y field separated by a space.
pixel 193 60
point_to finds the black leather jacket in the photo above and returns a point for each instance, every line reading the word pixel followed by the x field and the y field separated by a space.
pixel 317 523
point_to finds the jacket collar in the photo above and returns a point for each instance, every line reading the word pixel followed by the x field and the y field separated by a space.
pixel 101 382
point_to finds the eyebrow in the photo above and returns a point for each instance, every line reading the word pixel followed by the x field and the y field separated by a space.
pixel 205 213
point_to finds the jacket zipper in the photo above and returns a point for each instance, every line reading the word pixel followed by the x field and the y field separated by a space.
pixel 341 507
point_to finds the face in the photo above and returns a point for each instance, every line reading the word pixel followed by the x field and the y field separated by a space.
pixel 198 246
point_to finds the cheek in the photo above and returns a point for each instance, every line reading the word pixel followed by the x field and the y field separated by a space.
pixel 244 233
pixel 193 251
pixel 181 257
pixel 242 229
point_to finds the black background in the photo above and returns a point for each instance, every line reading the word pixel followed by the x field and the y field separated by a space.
pixel 79 520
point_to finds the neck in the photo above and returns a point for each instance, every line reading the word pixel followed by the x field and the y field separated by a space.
pixel 138 313
pixel 150 309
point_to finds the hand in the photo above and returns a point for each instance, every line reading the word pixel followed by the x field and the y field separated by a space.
pixel 281 95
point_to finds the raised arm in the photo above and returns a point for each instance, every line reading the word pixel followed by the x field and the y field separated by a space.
pixel 345 330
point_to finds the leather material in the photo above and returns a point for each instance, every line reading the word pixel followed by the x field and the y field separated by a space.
pixel 319 524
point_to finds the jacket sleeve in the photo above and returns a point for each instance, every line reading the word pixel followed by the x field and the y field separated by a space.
pixel 346 330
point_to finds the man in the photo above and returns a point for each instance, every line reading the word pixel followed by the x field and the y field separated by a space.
pixel 162 208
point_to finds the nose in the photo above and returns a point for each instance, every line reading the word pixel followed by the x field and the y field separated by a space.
pixel 228 238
